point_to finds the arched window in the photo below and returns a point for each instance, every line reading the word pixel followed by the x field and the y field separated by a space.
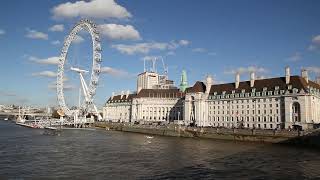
pixel 296 114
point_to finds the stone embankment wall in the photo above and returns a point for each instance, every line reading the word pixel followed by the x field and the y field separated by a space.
pixel 273 136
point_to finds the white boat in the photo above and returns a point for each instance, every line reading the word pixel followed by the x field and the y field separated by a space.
pixel 149 137
pixel 6 119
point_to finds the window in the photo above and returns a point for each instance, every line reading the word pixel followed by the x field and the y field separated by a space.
pixel 265 126
pixel 270 126
pixel 270 119
pixel 265 119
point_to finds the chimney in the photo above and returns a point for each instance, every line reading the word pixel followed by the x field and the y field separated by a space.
pixel 122 93
pixel 304 75
pixel 287 75
pixel 252 79
pixel 208 84
pixel 112 95
pixel 237 80
pixel 127 94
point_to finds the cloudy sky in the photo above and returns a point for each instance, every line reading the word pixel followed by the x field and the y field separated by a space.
pixel 214 37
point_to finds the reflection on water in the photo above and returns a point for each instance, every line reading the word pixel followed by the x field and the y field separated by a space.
pixel 100 154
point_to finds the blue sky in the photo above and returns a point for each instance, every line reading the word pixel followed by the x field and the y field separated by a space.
pixel 203 37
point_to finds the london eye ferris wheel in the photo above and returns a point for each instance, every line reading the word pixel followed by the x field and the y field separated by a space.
pixel 88 90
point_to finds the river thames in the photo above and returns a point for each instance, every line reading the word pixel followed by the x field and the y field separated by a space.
pixel 99 154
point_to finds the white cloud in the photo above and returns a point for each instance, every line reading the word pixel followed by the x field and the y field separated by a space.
pixel 184 42
pixel 2 32
pixel 55 42
pixel 145 48
pixel 51 60
pixel 315 43
pixel 116 31
pixel 242 70
pixel 295 57
pixel 199 50
pixel 314 69
pixel 57 28
pixel 92 9
pixel 33 34
pixel 316 39
pixel 78 39
pixel 49 74
pixel 116 72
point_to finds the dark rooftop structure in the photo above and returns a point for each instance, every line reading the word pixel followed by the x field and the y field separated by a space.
pixel 295 81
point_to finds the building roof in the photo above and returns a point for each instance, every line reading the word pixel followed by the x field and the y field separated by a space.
pixel 160 93
pixel 123 98
pixel 197 87
pixel 296 82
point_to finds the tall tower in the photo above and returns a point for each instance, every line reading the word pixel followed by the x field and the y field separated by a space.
pixel 184 81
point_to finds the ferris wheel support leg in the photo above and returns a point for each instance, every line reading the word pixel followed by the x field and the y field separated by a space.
pixel 84 87
pixel 98 114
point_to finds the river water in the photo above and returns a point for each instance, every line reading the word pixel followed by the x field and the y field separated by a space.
pixel 99 154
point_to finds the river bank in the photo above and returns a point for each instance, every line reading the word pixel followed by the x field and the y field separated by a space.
pixel 254 135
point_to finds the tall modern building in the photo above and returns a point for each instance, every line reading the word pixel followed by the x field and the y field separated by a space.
pixel 281 102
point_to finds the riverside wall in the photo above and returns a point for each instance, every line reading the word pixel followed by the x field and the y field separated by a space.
pixel 256 135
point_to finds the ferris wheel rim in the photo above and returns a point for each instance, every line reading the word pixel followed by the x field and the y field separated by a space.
pixel 90 27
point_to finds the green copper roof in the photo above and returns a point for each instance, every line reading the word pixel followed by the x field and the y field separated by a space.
pixel 184 81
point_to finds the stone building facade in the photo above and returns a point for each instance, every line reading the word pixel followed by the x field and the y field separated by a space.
pixel 156 100
pixel 149 105
pixel 276 103
pixel 282 102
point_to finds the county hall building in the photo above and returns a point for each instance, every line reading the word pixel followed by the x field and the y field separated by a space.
pixel 287 102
